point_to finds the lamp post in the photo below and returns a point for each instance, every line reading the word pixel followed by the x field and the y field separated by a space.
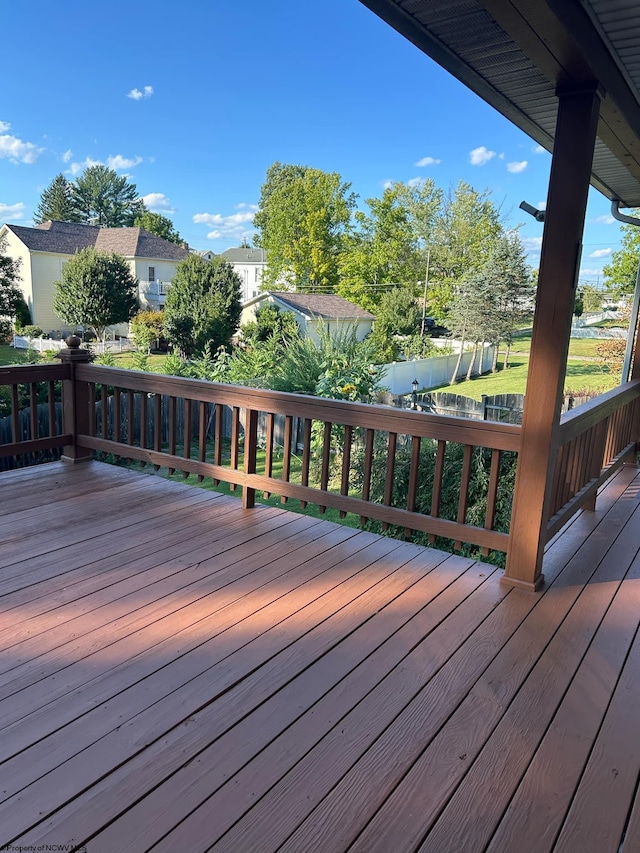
pixel 414 394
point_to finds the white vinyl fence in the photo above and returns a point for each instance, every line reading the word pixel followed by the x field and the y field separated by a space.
pixel 48 345
pixel 432 372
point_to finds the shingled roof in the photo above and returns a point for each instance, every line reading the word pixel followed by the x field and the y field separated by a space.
pixel 325 305
pixel 67 238
pixel 245 256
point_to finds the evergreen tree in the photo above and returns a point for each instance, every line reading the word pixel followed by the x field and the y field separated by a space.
pixel 56 202
pixel 203 305
pixel 102 197
pixel 156 223
pixel 97 290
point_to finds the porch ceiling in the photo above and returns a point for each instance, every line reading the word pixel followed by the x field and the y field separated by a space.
pixel 515 53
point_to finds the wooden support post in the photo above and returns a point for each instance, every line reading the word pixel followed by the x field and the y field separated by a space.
pixel 559 264
pixel 250 456
pixel 76 415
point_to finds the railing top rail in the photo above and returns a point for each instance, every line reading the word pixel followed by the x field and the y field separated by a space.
pixel 24 373
pixel 579 420
pixel 401 421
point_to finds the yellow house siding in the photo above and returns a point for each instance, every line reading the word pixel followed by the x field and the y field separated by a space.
pixel 46 269
pixel 16 249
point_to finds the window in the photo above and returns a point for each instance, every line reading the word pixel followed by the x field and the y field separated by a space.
pixel 152 274
pixel 257 277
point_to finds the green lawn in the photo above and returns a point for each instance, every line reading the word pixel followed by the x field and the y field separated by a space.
pixel 9 355
pixel 583 347
pixel 581 376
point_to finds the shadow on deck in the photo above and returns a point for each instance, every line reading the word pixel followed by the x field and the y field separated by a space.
pixel 178 673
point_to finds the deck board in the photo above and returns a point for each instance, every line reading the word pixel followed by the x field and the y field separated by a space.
pixel 179 673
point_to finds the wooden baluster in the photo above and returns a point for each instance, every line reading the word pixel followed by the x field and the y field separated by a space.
pixel 143 423
pixel 567 450
pixel 186 435
pixel 157 426
pixel 492 495
pixel 575 483
pixel 92 409
pixel 463 500
pixel 131 418
pixel 250 455
pixel 15 415
pixel 306 455
pixel 286 453
pixel 172 430
pixel 117 417
pixel 368 465
pixel 413 480
pixel 51 402
pixel 235 442
pixel 217 441
pixel 346 464
pixel 202 435
pixel 391 464
pixel 33 407
pixel 436 495
pixel 268 451
pixel 326 462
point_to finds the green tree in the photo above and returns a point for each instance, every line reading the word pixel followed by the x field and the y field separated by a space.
pixel 102 197
pixel 97 289
pixel 591 298
pixel 398 314
pixel 464 232
pixel 270 322
pixel 147 328
pixel 303 217
pixel 383 251
pixel 56 202
pixel 10 292
pixel 203 305
pixel 156 223
pixel 620 274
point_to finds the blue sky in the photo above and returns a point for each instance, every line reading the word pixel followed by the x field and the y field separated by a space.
pixel 194 101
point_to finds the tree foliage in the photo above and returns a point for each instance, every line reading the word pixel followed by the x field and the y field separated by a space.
pixel 102 197
pixel 303 217
pixel 156 223
pixel 147 328
pixel 203 305
pixel 10 292
pixel 620 274
pixel 97 289
pixel 270 322
pixel 56 202
pixel 398 314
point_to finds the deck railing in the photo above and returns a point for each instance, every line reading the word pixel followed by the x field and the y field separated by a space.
pixel 349 456
pixel 593 442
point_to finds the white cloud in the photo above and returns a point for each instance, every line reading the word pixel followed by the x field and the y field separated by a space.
pixel 538 149
pixel 387 184
pixel 532 245
pixel 11 211
pixel 138 95
pixel 607 219
pixel 120 162
pixel 517 167
pixel 68 154
pixel 244 206
pixel 600 253
pixel 15 149
pixel 233 227
pixel 542 205
pixel 158 203
pixel 76 168
pixel 428 161
pixel 480 156
pixel 501 156
pixel 415 182
pixel 590 271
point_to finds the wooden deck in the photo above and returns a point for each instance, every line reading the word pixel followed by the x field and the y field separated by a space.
pixel 180 674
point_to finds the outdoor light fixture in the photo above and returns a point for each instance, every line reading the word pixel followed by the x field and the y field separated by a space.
pixel 414 394
pixel 538 215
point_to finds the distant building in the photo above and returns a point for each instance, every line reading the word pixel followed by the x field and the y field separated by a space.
pixel 45 249
pixel 311 309
pixel 250 265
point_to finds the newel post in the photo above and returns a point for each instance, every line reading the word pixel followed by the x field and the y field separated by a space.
pixel 576 127
pixel 75 401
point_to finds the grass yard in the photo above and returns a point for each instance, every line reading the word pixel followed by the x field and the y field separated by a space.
pixel 9 355
pixel 581 376
pixel 126 360
pixel 581 347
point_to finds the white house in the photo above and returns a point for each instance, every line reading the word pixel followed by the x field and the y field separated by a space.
pixel 310 309
pixel 250 265
pixel 45 249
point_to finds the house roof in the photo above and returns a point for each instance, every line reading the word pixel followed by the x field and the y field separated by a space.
pixel 66 238
pixel 245 256
pixel 516 54
pixel 325 305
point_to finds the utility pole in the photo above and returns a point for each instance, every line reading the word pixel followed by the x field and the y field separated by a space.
pixel 424 298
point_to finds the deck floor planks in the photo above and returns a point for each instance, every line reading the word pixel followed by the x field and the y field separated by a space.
pixel 176 763
pixel 314 660
pixel 428 786
pixel 300 609
pixel 123 668
pixel 117 617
